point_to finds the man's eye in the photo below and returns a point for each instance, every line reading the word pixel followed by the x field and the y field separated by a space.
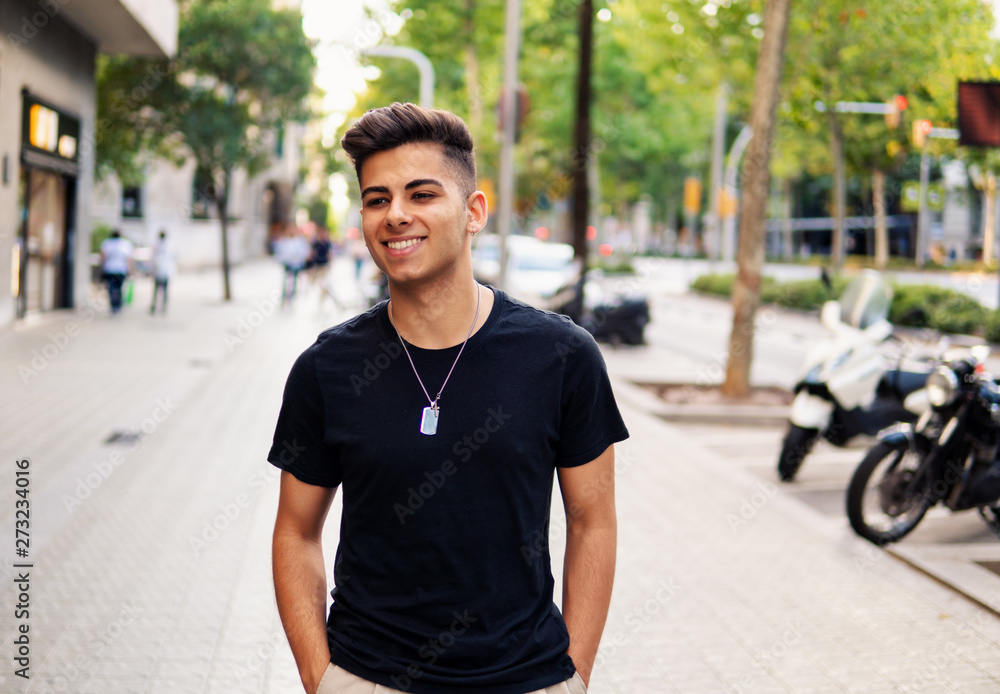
pixel 372 202
pixel 417 196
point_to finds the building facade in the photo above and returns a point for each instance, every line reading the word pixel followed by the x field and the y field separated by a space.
pixel 172 199
pixel 48 100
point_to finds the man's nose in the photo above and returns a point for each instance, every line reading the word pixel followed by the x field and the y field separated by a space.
pixel 398 214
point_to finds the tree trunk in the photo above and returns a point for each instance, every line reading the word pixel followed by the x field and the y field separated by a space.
pixel 222 208
pixel 839 185
pixel 989 217
pixel 581 140
pixel 472 69
pixel 756 167
pixel 881 223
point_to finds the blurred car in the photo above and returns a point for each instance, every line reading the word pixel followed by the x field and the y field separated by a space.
pixel 536 269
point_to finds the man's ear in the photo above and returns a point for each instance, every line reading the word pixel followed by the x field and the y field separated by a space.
pixel 478 211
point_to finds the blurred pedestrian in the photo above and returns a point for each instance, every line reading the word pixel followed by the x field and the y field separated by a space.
pixel 446 511
pixel 356 247
pixel 116 265
pixel 164 266
pixel 318 263
pixel 291 249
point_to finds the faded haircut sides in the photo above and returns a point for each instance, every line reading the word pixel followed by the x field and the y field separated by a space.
pixel 382 129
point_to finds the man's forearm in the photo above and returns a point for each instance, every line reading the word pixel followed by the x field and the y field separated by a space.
pixel 300 589
pixel 588 577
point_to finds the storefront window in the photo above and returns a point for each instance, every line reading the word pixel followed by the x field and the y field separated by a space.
pixel 47 202
pixel 132 202
pixel 44 241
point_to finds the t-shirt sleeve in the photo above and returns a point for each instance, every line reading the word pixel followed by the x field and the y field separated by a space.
pixel 590 420
pixel 299 446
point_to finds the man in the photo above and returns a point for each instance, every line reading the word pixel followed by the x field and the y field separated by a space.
pixel 291 250
pixel 318 263
pixel 445 414
pixel 116 264
pixel 164 265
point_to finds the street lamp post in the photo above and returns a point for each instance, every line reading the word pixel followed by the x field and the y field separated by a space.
pixel 422 62
pixel 923 214
pixel 732 187
pixel 715 195
pixel 512 48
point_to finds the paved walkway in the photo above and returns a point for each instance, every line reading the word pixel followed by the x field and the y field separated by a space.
pixel 151 510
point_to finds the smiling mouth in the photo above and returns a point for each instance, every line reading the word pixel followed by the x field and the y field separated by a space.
pixel 400 245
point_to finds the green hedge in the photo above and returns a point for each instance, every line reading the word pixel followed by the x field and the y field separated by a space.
pixel 915 305
pixel 721 285
pixel 801 294
pixel 992 331
pixel 927 306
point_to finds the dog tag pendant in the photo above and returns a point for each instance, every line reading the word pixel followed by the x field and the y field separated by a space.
pixel 429 422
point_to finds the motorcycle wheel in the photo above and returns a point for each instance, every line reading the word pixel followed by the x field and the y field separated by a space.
pixel 796 446
pixel 880 505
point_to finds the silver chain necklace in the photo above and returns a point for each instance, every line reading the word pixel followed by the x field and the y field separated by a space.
pixel 429 419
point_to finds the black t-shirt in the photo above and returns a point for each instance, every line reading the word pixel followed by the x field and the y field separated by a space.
pixel 443 579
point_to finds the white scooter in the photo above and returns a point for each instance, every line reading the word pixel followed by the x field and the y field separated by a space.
pixel 846 390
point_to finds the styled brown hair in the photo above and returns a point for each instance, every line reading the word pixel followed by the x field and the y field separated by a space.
pixel 382 129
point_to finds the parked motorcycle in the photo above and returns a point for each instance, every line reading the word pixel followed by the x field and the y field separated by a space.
pixel 845 390
pixel 948 456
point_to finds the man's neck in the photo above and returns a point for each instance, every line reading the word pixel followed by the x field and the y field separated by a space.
pixel 439 315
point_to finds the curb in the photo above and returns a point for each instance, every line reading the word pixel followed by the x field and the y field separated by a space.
pixel 958 567
pixel 736 415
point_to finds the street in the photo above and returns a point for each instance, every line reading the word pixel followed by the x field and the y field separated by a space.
pixel 148 568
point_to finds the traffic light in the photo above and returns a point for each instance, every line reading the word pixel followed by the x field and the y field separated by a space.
pixel 893 108
pixel 921 129
pixel 692 195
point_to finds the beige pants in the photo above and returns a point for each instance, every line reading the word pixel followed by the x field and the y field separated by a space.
pixel 337 680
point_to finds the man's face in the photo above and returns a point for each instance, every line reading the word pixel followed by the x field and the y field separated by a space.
pixel 416 222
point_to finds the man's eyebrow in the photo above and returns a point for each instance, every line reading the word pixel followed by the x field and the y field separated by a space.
pixel 423 182
pixel 409 186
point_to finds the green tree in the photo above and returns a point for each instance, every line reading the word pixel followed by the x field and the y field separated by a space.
pixel 242 68
pixel 849 50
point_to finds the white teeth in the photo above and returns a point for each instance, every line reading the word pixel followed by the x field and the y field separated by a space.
pixel 400 245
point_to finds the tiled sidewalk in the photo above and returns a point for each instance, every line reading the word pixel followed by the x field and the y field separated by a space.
pixel 152 566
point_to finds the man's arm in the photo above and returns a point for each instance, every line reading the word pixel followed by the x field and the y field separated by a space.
pixel 300 575
pixel 588 493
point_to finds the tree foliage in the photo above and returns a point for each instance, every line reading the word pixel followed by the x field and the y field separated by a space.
pixel 658 65
pixel 242 68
